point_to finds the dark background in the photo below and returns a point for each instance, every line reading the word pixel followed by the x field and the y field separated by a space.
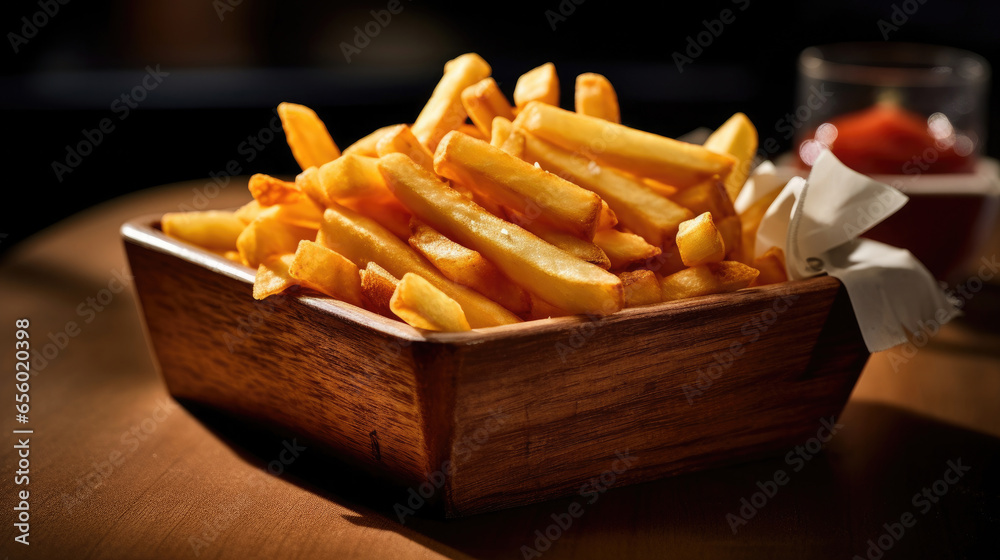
pixel 227 74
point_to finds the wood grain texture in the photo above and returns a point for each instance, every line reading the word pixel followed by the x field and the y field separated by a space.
pixel 514 414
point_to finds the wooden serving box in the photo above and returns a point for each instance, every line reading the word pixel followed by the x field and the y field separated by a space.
pixel 513 414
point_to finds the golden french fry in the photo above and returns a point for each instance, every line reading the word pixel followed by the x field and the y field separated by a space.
pixel 608 217
pixel 248 211
pixel 750 221
pixel 352 176
pixel 377 287
pixel 514 143
pixel 541 309
pixel 471 130
pixel 594 96
pixel 268 235
pixel 642 153
pixel 303 213
pixel 308 183
pixel 636 206
pixel 624 249
pixel 547 271
pixel 307 136
pixel 214 230
pixel 368 146
pixel 500 131
pixel 738 138
pixel 390 214
pixel 641 287
pixel 444 111
pixel 468 268
pixel 580 248
pixel 771 266
pixel 269 191
pixel 273 277
pixel 518 185
pixel 707 196
pixel 484 101
pixel 731 230
pixel 712 278
pixel 362 240
pixel 323 270
pixel 421 305
pixel 661 188
pixel 400 139
pixel 699 241
pixel 538 84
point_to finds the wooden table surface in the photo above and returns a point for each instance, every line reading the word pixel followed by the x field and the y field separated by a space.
pixel 120 470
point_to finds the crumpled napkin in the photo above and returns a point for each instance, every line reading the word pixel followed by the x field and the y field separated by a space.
pixel 817 222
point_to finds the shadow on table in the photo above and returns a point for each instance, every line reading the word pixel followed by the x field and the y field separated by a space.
pixel 887 480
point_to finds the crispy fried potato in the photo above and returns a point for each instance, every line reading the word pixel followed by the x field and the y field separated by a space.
pixel 352 176
pixel 268 235
pixel 624 249
pixel 325 271
pixel 390 214
pixel 738 138
pixel 307 136
pixel 444 111
pixel 368 145
pixel 642 153
pixel 712 278
pixel 303 213
pixel 377 287
pixel 421 305
pixel 362 240
pixel 706 196
pixel 750 222
pixel 771 266
pixel 538 84
pixel 580 248
pixel 541 309
pixel 731 230
pixel 500 132
pixel 214 230
pixel 400 139
pixel 471 130
pixel 308 183
pixel 273 277
pixel 699 241
pixel 518 185
pixel 484 101
pixel 608 217
pixel 642 287
pixel 594 96
pixel 636 206
pixel 248 211
pixel 269 191
pixel 540 268
pixel 468 268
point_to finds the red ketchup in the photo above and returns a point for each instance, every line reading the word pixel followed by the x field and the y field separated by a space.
pixel 886 139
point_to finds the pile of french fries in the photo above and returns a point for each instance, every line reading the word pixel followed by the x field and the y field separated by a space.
pixel 483 213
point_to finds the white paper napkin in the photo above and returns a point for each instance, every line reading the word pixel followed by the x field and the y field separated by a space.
pixel 817 221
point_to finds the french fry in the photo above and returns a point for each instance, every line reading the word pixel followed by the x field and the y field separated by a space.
pixel 389 213
pixel 400 139
pixel 642 153
pixel 361 240
pixel 706 279
pixel 660 188
pixel 444 111
pixel 624 249
pixel 368 145
pixel 352 176
pixel 541 309
pixel 422 305
pixel 518 185
pixel 608 217
pixel 214 230
pixel 307 136
pixel 636 206
pixel 273 277
pixel 308 183
pixel 699 241
pixel 641 288
pixel 731 230
pixel 539 84
pixel 771 266
pixel 738 138
pixel 707 196
pixel 269 191
pixel 267 236
pixel 580 248
pixel 321 269
pixel 540 268
pixel 750 221
pixel 471 130
pixel 248 211
pixel 500 131
pixel 468 268
pixel 303 213
pixel 377 287
pixel 514 143
pixel 484 102
pixel 594 96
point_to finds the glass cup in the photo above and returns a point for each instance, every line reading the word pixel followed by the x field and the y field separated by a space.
pixel 912 116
